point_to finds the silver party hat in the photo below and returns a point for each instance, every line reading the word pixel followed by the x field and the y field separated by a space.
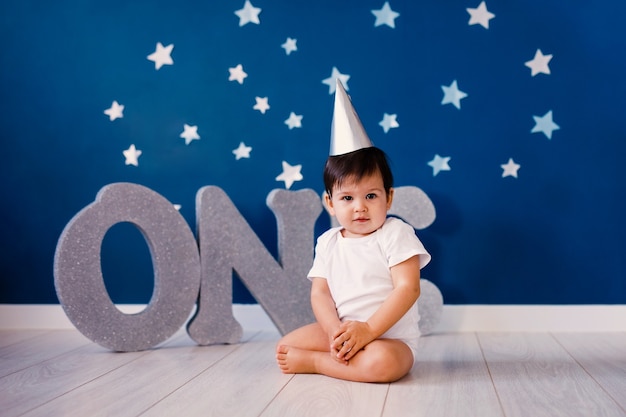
pixel 346 132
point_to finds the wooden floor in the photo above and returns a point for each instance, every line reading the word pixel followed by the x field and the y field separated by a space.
pixel 61 373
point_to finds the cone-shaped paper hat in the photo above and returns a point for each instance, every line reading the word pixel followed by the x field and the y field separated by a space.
pixel 346 132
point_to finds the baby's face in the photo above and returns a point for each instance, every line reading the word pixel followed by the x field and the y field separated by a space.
pixel 360 205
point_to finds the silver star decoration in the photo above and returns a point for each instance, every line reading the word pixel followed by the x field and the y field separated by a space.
pixel 385 16
pixel 189 133
pixel 249 14
pixel 290 174
pixel 289 46
pixel 294 120
pixel 545 124
pixel 237 73
pixel 332 80
pixel 480 15
pixel 116 111
pixel 242 151
pixel 388 122
pixel 162 55
pixel 453 95
pixel 510 169
pixel 539 64
pixel 261 104
pixel 132 155
pixel 439 163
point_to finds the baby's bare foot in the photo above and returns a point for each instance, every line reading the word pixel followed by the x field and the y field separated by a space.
pixel 292 360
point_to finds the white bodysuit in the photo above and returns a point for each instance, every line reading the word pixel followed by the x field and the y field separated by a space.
pixel 358 273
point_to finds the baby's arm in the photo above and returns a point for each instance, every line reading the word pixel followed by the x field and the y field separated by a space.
pixel 325 310
pixel 406 289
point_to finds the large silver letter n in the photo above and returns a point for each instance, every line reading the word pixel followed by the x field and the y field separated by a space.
pixel 228 243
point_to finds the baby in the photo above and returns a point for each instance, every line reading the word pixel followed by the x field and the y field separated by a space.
pixel 366 272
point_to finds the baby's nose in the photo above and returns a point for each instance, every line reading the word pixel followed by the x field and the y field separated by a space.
pixel 360 205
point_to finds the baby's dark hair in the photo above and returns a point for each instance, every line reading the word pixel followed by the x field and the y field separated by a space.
pixel 358 164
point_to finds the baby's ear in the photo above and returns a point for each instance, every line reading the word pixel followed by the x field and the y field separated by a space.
pixel 328 203
pixel 389 198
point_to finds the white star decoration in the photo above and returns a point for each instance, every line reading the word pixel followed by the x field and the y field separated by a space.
pixel 294 120
pixel 385 16
pixel 161 56
pixel 189 133
pixel 439 163
pixel 261 104
pixel 480 15
pixel 539 64
pixel 510 169
pixel 242 151
pixel 132 154
pixel 116 111
pixel 389 121
pixel 289 46
pixel 237 73
pixel 452 95
pixel 290 174
pixel 332 80
pixel 249 14
pixel 545 124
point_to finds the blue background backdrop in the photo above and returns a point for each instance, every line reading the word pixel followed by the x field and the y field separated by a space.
pixel 554 234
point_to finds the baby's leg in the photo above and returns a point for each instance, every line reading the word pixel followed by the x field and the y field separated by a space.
pixel 383 360
pixel 309 337
pixel 304 344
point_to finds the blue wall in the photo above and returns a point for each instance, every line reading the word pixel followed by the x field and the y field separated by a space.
pixel 555 234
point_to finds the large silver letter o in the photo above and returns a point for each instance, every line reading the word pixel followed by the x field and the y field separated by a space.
pixel 78 275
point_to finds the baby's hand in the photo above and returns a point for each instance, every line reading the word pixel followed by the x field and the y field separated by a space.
pixel 334 353
pixel 351 337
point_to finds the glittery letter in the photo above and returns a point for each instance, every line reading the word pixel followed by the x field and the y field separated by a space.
pixel 78 275
pixel 228 243
pixel 417 209
pixel 430 306
pixel 414 206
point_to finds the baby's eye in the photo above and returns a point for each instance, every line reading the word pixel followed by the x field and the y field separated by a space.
pixel 370 196
pixel 347 198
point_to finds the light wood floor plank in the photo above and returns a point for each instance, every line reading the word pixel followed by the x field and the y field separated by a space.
pixel 39 348
pixel 242 384
pixel 31 387
pixel 603 356
pixel 132 389
pixel 9 337
pixel 317 395
pixel 535 376
pixel 449 378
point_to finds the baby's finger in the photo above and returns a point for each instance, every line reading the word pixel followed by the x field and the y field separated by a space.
pixel 343 327
pixel 336 357
pixel 340 330
pixel 339 341
pixel 350 353
pixel 345 349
